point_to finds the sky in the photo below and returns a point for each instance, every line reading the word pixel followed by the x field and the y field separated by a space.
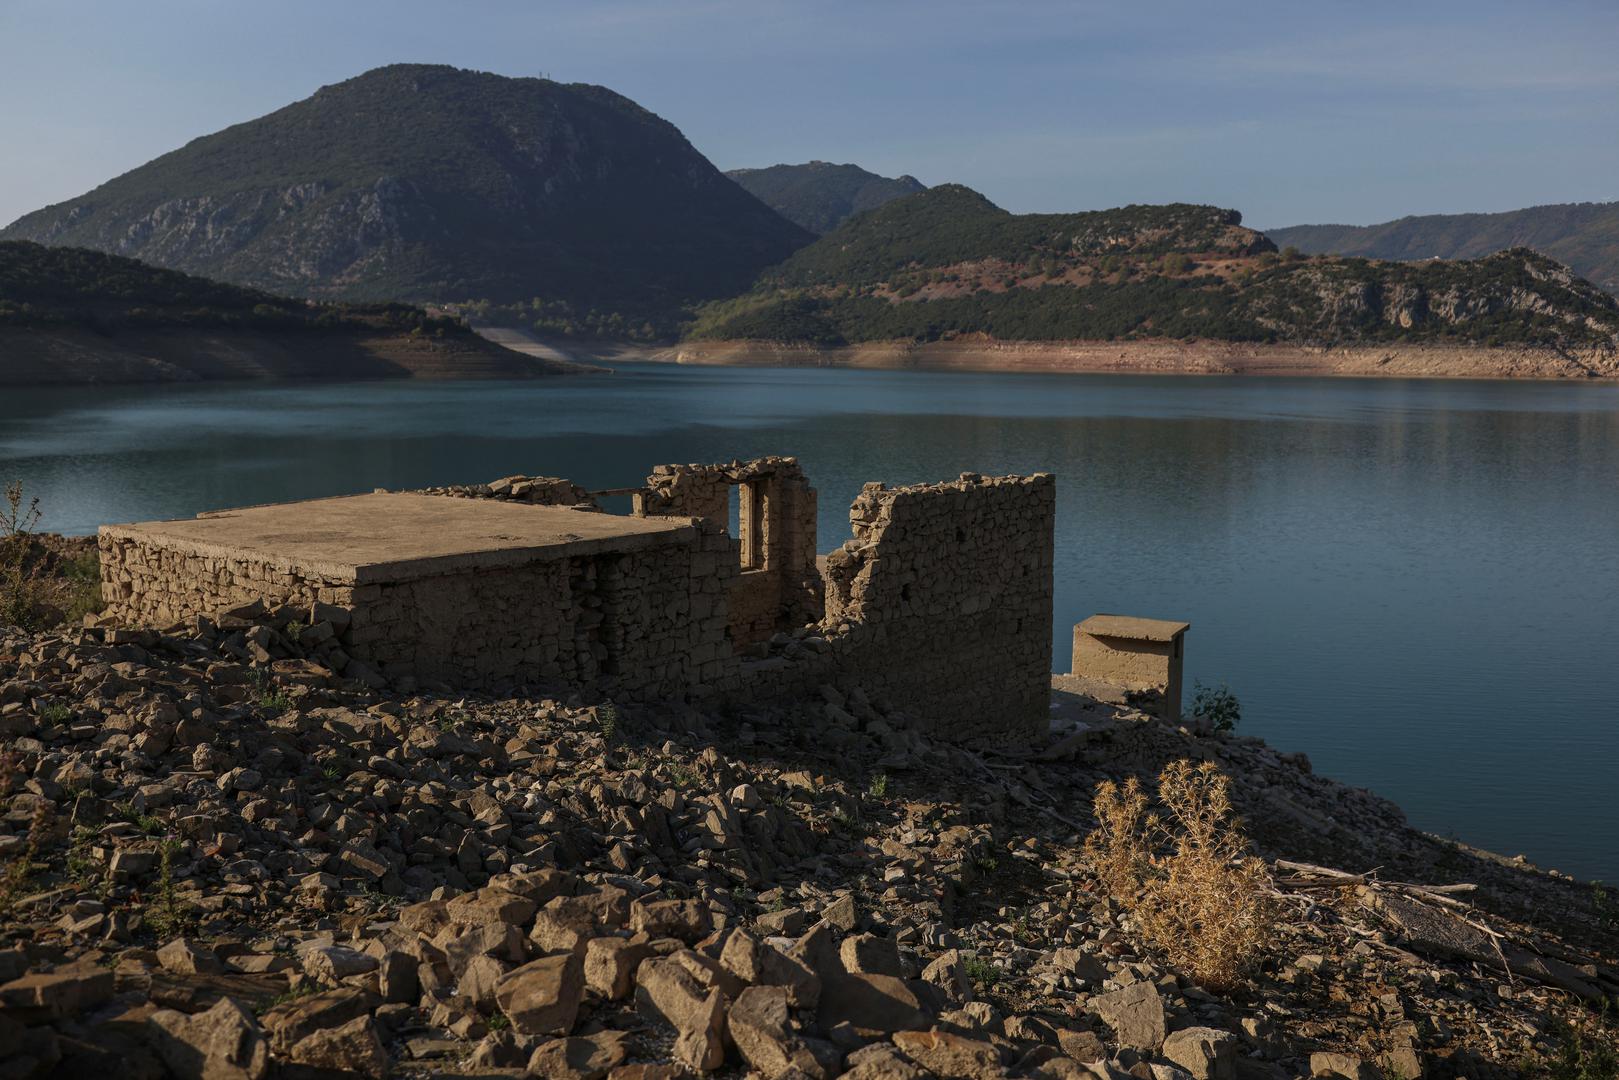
pixel 1305 111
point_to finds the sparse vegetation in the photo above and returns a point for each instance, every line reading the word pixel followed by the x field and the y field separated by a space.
pixel 1605 907
pixel 982 973
pixel 19 603
pixel 1126 274
pixel 43 286
pixel 1217 705
pixel 20 868
pixel 607 717
pixel 1188 879
pixel 267 695
pixel 1586 1048
pixel 166 916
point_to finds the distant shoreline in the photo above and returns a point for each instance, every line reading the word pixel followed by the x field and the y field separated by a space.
pixel 1136 357
pixel 57 355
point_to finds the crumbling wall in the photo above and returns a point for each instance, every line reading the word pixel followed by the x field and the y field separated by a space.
pixel 941 602
pixel 779 585
pixel 535 490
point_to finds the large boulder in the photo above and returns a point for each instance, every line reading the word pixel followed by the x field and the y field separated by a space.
pixel 355 1047
pixel 1207 1053
pixel 222 1043
pixel 542 997
pixel 759 1027
pixel 1136 1015
pixel 668 991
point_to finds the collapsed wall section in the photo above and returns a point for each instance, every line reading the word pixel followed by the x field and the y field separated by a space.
pixel 941 602
pixel 533 490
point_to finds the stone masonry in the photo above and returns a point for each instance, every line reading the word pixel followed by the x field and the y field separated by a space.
pixel 471 593
pixel 779 586
pixel 940 602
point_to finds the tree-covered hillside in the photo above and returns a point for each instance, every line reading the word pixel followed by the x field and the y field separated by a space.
pixel 57 286
pixel 948 261
pixel 1585 236
pixel 418 182
pixel 819 195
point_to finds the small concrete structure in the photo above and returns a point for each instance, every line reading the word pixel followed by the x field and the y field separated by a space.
pixel 1139 655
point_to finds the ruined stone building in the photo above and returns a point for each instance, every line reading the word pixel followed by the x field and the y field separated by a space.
pixel 940 600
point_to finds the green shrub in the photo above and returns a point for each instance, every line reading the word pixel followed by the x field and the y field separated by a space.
pixel 1218 705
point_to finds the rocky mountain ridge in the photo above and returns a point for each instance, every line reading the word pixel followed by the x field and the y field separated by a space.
pixel 1585 236
pixel 422 182
pixel 819 195
pixel 947 262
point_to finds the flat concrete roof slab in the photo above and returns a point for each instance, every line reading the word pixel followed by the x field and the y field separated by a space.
pixel 386 537
pixel 1132 628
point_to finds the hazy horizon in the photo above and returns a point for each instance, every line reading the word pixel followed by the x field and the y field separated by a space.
pixel 1290 116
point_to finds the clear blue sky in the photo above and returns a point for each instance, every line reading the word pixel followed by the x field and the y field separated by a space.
pixel 1296 111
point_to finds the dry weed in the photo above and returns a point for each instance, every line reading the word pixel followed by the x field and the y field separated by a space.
pixel 1188 878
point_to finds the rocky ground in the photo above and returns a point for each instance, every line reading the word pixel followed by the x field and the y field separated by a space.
pixel 223 857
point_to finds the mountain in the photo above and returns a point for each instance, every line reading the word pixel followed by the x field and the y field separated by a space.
pixel 419 182
pixel 1585 236
pixel 70 315
pixel 819 195
pixel 948 262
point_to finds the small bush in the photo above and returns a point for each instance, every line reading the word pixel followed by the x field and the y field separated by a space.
pixel 1585 1050
pixel 608 719
pixel 1218 705
pixel 167 917
pixel 19 605
pixel 982 973
pixel 1187 878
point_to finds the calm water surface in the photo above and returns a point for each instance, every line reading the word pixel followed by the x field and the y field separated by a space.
pixel 1415 582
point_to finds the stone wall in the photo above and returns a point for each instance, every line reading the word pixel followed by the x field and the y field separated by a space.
pixel 941 603
pixel 158 585
pixel 641 624
pixel 779 586
pixel 645 623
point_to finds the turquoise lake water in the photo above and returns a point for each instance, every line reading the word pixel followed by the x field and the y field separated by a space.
pixel 1415 582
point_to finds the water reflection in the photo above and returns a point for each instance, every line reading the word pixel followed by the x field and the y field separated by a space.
pixel 1390 574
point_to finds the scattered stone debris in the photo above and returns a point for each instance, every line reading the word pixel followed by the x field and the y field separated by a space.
pixel 223 858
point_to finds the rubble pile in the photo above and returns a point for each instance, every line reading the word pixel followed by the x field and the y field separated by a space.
pixel 536 490
pixel 223 855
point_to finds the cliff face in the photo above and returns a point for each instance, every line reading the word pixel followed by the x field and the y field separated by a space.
pixel 427 182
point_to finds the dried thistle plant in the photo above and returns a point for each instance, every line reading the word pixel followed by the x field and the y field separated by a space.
pixel 1188 878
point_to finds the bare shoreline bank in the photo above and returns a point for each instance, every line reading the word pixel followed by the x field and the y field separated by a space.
pixel 1140 358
